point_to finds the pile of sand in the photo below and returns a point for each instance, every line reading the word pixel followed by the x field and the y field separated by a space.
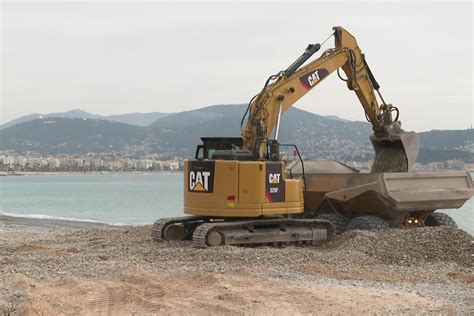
pixel 190 292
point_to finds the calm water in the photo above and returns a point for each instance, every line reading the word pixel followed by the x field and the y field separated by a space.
pixel 112 198
pixel 116 198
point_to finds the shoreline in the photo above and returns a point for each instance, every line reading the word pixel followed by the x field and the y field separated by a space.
pixel 79 173
pixel 85 173
pixel 9 221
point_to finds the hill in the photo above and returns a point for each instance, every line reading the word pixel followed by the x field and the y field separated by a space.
pixel 452 139
pixel 178 134
pixel 22 119
pixel 70 136
pixel 138 119
pixel 317 136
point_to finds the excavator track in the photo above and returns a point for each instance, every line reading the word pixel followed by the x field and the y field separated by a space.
pixel 275 231
pixel 175 228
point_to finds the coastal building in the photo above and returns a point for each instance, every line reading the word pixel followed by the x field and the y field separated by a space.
pixel 455 164
pixel 8 161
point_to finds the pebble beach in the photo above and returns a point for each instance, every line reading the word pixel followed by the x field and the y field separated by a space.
pixel 62 267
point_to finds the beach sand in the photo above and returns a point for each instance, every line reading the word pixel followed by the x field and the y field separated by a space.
pixel 65 267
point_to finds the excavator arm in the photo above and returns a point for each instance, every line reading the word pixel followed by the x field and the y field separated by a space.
pixel 395 149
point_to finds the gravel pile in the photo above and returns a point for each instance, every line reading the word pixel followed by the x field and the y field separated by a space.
pixel 102 252
pixel 437 262
pixel 412 247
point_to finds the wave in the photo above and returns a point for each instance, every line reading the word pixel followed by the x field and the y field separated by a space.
pixel 60 218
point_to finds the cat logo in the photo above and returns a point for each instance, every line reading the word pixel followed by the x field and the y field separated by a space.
pixel 200 176
pixel 199 181
pixel 309 80
pixel 313 78
pixel 275 184
pixel 274 178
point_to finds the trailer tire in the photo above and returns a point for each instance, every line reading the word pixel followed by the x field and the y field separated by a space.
pixel 339 221
pixel 440 219
pixel 367 222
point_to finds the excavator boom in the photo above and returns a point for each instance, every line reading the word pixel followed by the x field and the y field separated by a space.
pixel 395 149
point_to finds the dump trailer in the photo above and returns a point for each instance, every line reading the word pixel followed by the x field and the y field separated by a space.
pixel 354 200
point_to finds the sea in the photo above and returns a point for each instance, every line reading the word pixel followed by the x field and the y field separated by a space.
pixel 119 199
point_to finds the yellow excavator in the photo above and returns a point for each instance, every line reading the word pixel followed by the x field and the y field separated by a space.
pixel 238 191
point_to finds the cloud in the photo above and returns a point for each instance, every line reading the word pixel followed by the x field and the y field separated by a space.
pixel 122 57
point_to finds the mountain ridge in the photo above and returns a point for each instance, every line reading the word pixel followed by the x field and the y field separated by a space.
pixel 136 118
pixel 177 134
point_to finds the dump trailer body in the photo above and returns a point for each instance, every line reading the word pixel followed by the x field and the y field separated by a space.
pixel 331 185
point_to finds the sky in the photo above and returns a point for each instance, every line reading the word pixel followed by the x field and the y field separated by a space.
pixel 121 57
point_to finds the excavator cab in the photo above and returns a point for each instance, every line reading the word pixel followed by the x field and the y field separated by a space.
pixel 224 148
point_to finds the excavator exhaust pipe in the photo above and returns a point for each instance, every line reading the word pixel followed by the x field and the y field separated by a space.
pixel 395 150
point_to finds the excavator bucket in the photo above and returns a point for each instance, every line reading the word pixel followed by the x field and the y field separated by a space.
pixel 394 152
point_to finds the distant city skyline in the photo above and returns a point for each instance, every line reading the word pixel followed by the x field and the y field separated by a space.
pixel 113 58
